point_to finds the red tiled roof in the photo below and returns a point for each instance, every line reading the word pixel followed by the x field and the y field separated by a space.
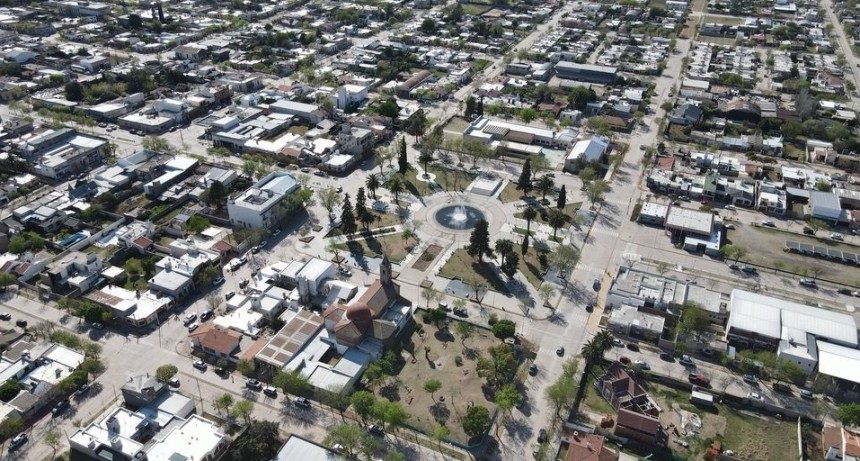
pixel 638 421
pixel 143 242
pixel 215 338
pixel 222 246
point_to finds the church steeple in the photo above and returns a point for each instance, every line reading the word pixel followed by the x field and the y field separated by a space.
pixel 385 270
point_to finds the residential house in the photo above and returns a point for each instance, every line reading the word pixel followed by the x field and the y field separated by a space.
pixel 142 390
pixel 840 444
pixel 258 207
pixel 686 114
pixel 216 342
pixel 638 415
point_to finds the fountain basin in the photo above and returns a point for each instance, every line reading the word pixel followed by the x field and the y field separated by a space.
pixel 458 217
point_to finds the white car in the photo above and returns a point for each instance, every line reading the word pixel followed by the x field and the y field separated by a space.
pixel 642 364
pixel 755 396
pixel 837 236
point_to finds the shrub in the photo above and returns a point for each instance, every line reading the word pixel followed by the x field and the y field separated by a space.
pixel 458 361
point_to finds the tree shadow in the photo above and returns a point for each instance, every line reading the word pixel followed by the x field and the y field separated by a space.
pixel 443 335
pixel 390 391
pixel 557 318
pixel 519 429
pixel 470 353
pixel 440 412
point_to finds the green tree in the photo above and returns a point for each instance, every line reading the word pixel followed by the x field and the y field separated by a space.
pixel 9 390
pixel 507 398
pixel 735 252
pixel 823 185
pixel 564 259
pixel 499 368
pixel 243 410
pixel 425 158
pixel 561 202
pixel 593 351
pixel 525 245
pixel 197 224
pixel 431 386
pixel 223 402
pixel 470 109
pixel 372 183
pixel 75 91
pixel 580 96
pixel 529 213
pixel 259 442
pixel 166 372
pixel 216 195
pixel 391 414
pixel 595 190
pixel 246 367
pixel 11 427
pixel 479 241
pixel 556 219
pixel 504 329
pixel 54 439
pixel 330 199
pixel 524 183
pixel 292 382
pixel 562 392
pixel 502 248
pixel 395 186
pixel 545 184
pixel 694 320
pixel 465 330
pixel 476 422
pixel 511 264
pixel 441 432
pixel 849 414
pixel 527 114
pixel 817 224
pixel 348 436
pixel 156 144
pixel 347 217
pixel 363 402
pixel 402 159
pixel 417 125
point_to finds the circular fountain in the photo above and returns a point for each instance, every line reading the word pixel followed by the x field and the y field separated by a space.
pixel 458 217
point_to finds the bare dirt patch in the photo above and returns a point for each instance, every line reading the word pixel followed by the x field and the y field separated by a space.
pixel 427 257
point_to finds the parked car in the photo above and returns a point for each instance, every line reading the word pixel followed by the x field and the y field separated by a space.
pixel 60 407
pixel 686 361
pixel 244 283
pixel 229 294
pixel 782 387
pixel 596 284
pixel 808 283
pixel 837 236
pixel 749 270
pixel 667 357
pixel 344 271
pixel 560 351
pixel 700 380
pixel 842 291
pixel 173 382
pixel 19 440
pixel 21 323
pixel 768 224
pixel 754 396
pixel 253 384
pixel 220 371
pixel 302 402
pixel 205 314
pixel 270 391
pixel 617 342
pixel 807 394
pixel 218 281
pixel 200 365
pixel 541 436
pixel 5 316
pixel 624 359
pixel 375 430
pixel 735 267
pixel 97 326
pixel 750 379
pixel 729 226
pixel 444 306
pixel 461 312
pixel 730 207
pixel 192 327
pixel 642 364
pixel 190 318
pixel 533 370
pixel 633 347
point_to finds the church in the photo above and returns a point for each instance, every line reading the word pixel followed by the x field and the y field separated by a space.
pixel 373 321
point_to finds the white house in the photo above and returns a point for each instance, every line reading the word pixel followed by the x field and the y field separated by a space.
pixel 586 151
pixel 257 207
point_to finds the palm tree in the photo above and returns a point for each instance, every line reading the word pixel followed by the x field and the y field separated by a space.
pixel 556 219
pixel 529 214
pixel 503 247
pixel 372 184
pixel 593 351
pixel 396 187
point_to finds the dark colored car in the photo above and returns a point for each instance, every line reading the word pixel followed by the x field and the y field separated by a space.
pixel 21 323
pixel 596 285
pixel 667 357
pixel 633 347
pixel 253 384
pixel 542 436
pixel 19 440
pixel 8 316
pixel 533 370
pixel 375 430
pixel 60 407
pixel 624 359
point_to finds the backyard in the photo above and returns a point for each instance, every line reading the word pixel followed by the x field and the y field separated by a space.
pixel 463 267
pixel 434 353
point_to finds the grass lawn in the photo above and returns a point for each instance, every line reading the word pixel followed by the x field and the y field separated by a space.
pixel 456 124
pixel 460 384
pixel 511 194
pixel 793 152
pixel 594 400
pixel 392 244
pixel 530 264
pixel 382 220
pixel 468 269
pixel 717 40
pixel 543 213
pixel 477 10
pixel 446 179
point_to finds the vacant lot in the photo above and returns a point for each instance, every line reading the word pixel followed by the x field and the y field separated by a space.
pixel 766 245
pixel 456 124
pixel 724 20
pixel 433 355
pixel 470 270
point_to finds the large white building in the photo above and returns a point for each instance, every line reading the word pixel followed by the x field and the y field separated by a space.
pixel 257 207
pixel 796 331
